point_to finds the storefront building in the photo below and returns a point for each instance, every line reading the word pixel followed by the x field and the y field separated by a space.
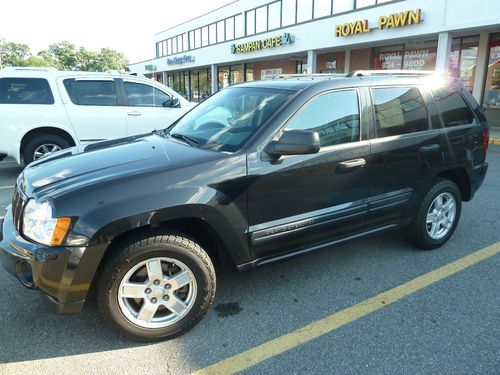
pixel 259 39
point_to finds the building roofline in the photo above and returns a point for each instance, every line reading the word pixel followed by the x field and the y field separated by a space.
pixel 195 18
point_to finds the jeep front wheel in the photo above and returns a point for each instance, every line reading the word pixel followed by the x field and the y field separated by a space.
pixel 156 288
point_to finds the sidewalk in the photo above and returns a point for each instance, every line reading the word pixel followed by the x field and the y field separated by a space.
pixel 495 135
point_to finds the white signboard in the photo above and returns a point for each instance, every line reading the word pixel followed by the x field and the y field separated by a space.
pixel 270 73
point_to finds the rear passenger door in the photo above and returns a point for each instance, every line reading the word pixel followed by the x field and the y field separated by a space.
pixel 93 108
pixel 405 153
pixel 148 108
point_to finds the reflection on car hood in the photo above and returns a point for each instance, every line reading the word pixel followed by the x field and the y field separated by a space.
pixel 106 161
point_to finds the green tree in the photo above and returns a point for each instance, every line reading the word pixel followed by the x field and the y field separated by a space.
pixel 62 55
pixel 13 54
pixel 35 61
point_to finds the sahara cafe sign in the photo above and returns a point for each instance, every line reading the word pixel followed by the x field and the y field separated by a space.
pixel 391 21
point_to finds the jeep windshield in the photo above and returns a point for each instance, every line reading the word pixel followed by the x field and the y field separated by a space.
pixel 224 122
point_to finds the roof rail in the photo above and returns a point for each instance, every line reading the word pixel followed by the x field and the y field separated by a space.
pixel 30 69
pixel 309 76
pixel 361 73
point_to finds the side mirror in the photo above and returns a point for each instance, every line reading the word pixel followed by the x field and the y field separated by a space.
pixel 171 103
pixel 294 142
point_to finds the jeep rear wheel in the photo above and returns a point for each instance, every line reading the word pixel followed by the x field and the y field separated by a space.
pixel 437 216
pixel 156 288
pixel 43 145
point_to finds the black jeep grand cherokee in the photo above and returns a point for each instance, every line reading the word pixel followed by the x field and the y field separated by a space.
pixel 257 173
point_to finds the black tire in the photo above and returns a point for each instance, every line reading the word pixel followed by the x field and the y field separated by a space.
pixel 417 231
pixel 39 140
pixel 172 246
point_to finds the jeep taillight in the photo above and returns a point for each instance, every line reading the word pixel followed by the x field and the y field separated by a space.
pixel 486 139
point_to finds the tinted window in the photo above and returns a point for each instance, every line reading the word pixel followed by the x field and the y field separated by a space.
pixel 335 116
pixel 102 93
pixel 399 110
pixel 25 91
pixel 452 107
pixel 139 95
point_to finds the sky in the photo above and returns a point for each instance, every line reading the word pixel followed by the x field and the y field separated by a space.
pixel 126 26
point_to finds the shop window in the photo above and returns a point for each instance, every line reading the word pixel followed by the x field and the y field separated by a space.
pixel 492 87
pixel 304 10
pixel 239 27
pixel 185 44
pixel 339 6
pixel 248 72
pixel 221 27
pixel 322 8
pixel 411 56
pixel 191 40
pixel 212 34
pixel 250 22
pixel 169 46
pixel 223 75
pixel 261 19
pixel 334 116
pixel 452 107
pixel 174 45
pixel 229 28
pixel 197 38
pixel 365 3
pixel 179 44
pixel 463 59
pixel 399 110
pixel 288 12
pixel 274 10
pixel 204 36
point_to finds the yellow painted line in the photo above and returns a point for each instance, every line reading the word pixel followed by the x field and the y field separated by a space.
pixel 320 327
pixel 6 187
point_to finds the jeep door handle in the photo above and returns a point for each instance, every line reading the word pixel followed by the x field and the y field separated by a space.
pixel 429 148
pixel 134 113
pixel 350 165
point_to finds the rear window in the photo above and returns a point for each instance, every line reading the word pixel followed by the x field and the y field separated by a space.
pixel 91 92
pixel 452 108
pixel 399 110
pixel 25 91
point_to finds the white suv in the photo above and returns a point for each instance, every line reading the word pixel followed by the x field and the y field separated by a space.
pixel 43 110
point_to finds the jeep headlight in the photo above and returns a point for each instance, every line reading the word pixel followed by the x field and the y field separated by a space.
pixel 40 226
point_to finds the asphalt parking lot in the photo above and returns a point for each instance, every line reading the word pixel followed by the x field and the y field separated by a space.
pixel 450 326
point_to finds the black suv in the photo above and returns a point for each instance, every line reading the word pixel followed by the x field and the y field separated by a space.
pixel 256 173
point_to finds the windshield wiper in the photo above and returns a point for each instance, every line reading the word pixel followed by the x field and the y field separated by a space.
pixel 187 139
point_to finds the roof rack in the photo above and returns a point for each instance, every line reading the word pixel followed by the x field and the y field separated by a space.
pixel 309 76
pixel 361 73
pixel 30 69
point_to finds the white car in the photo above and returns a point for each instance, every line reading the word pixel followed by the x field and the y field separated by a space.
pixel 43 110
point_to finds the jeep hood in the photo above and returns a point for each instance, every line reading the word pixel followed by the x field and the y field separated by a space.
pixel 107 161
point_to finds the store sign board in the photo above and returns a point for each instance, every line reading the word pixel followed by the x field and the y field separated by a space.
pixel 391 21
pixel 150 67
pixel 180 60
pixel 414 59
pixel 256 45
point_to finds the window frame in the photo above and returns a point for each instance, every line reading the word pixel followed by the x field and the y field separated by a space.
pixel 423 95
pixel 46 81
pixel 125 96
pixel 282 128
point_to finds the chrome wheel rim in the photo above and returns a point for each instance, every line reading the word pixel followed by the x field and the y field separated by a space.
pixel 44 150
pixel 157 292
pixel 441 216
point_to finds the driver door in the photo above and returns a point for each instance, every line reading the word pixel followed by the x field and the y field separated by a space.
pixel 145 110
pixel 301 202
